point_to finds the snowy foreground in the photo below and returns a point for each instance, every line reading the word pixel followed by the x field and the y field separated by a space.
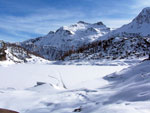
pixel 99 88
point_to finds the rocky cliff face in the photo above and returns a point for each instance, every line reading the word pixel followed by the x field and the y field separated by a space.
pixel 16 54
pixel 2 51
pixel 113 48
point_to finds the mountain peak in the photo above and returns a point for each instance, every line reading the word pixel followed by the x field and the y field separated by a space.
pixel 138 27
pixel 146 9
pixel 99 23
pixel 144 16
pixel 82 22
pixel 51 32
pixel 64 31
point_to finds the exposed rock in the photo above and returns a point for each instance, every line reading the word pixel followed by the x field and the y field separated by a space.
pixel 7 111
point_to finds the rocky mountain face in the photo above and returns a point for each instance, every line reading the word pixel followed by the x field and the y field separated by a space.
pixel 113 48
pixel 2 51
pixel 55 44
pixel 16 54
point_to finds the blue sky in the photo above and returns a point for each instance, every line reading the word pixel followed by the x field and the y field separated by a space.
pixel 24 19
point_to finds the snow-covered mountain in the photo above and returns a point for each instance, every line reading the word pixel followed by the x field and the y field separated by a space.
pixel 140 26
pixel 12 54
pixel 95 41
pixel 131 40
pixel 55 44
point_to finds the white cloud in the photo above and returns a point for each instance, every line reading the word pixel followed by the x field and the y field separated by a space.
pixel 39 23
pixel 139 5
pixel 44 20
pixel 112 23
pixel 116 23
pixel 136 8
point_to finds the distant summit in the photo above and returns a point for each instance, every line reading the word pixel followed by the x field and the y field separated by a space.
pixel 82 22
pixel 143 17
pixel 140 26
pixel 99 23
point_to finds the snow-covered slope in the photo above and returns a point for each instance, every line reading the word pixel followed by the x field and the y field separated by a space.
pixel 140 26
pixel 133 83
pixel 126 91
pixel 12 54
pixel 55 44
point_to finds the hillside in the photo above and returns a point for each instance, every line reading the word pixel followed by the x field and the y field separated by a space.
pixel 14 54
pixel 113 48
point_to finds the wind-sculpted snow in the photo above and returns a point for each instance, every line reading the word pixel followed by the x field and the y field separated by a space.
pixel 125 91
pixel 133 83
